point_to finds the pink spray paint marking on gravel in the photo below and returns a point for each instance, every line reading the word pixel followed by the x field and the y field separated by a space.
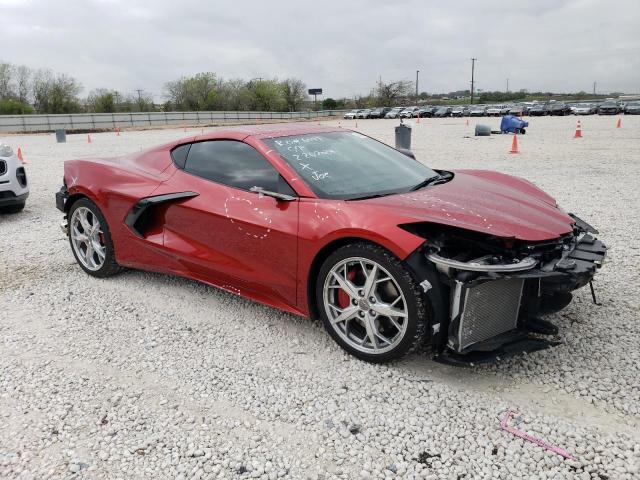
pixel 530 438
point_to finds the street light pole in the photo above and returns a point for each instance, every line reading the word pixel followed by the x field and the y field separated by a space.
pixel 417 72
pixel 507 85
pixel 473 64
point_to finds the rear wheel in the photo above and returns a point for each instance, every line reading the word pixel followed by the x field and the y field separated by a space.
pixel 370 304
pixel 90 239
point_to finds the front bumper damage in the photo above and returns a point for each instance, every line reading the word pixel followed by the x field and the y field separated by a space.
pixel 493 309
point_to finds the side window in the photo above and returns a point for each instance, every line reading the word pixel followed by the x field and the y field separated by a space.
pixel 179 155
pixel 231 163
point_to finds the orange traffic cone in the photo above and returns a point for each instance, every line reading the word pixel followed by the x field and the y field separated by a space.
pixel 514 144
pixel 578 130
pixel 619 123
pixel 88 138
pixel 418 119
pixel 20 155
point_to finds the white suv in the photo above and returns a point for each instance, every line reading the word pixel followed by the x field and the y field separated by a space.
pixel 13 181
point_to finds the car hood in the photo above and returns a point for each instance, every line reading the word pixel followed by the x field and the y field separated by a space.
pixel 483 201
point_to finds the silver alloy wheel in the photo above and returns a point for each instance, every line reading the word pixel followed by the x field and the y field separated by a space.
pixel 371 313
pixel 87 238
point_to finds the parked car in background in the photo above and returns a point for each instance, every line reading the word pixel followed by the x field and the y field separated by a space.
pixel 559 108
pixel 632 108
pixel 14 189
pixel 351 115
pixel 494 110
pixel 409 112
pixel 477 111
pixel 608 108
pixel 364 113
pixel 426 112
pixel 517 110
pixel 506 109
pixel 539 110
pixel 460 111
pixel 379 112
pixel 584 109
pixel 442 112
pixel 394 112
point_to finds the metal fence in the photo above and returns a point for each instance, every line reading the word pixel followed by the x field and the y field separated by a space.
pixel 109 121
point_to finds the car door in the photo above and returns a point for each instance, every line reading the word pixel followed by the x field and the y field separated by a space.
pixel 227 234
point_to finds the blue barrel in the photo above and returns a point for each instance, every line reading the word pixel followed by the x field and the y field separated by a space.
pixel 61 136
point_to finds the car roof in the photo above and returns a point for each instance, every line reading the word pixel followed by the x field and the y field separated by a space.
pixel 267 131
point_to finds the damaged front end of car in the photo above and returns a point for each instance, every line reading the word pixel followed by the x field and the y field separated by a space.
pixel 489 293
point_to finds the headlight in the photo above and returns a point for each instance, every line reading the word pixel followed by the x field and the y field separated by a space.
pixel 5 150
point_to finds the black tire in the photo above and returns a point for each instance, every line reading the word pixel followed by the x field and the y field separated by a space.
pixel 16 208
pixel 110 266
pixel 418 316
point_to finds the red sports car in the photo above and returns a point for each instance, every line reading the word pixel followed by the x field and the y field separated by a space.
pixel 330 223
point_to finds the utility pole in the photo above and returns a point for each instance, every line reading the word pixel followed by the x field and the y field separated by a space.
pixel 594 88
pixel 139 98
pixel 473 65
pixel 507 85
pixel 417 73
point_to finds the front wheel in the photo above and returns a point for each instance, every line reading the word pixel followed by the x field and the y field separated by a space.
pixel 15 208
pixel 370 304
pixel 90 239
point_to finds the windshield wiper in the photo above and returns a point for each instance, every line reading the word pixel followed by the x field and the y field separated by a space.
pixel 425 183
pixel 442 177
pixel 374 195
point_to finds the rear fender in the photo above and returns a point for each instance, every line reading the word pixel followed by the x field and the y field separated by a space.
pixel 115 191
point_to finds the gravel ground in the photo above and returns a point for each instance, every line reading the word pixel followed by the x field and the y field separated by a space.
pixel 150 376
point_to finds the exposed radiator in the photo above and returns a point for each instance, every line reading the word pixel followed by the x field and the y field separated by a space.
pixel 488 309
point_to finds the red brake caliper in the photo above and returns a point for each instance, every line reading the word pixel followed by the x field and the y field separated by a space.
pixel 343 298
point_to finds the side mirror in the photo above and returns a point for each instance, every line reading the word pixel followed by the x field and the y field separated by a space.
pixel 407 152
pixel 281 197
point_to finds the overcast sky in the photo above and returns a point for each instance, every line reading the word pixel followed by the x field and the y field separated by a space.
pixel 341 46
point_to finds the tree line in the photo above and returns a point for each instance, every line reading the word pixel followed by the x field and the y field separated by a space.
pixel 207 91
pixel 24 91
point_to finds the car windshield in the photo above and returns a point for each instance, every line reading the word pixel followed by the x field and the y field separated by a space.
pixel 349 165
